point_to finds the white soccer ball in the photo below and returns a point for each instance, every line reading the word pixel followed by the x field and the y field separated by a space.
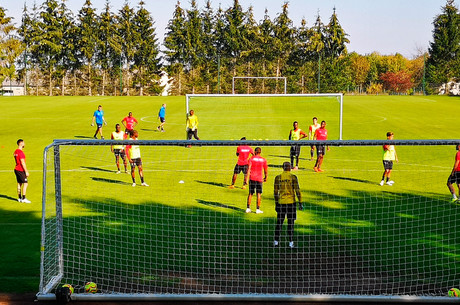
pixel 182 181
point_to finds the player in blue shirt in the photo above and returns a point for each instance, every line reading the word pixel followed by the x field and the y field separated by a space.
pixel 98 116
pixel 161 117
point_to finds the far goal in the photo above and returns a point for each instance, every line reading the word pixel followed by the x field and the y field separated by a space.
pixel 264 116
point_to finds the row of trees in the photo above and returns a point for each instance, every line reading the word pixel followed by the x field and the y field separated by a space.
pixel 56 52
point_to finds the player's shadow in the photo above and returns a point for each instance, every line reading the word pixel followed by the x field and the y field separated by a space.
pixel 8 197
pixel 97 169
pixel 218 204
pixel 212 183
pixel 83 137
pixel 110 181
pixel 354 180
pixel 288 157
pixel 145 129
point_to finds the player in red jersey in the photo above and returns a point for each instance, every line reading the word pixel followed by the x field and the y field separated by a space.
pixel 129 122
pixel 21 172
pixel 258 170
pixel 243 152
pixel 455 176
pixel 320 135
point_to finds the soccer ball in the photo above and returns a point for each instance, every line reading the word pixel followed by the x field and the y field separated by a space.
pixel 91 287
pixel 68 286
pixel 454 292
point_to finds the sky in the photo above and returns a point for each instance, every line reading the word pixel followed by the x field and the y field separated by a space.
pixel 387 27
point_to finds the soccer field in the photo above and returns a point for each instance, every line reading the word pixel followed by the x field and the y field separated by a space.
pixel 350 184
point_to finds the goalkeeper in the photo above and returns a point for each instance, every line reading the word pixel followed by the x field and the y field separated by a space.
pixel 286 189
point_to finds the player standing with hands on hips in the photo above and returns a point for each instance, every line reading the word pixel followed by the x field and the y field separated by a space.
pixel 192 125
pixel 21 172
pixel 455 176
pixel 98 116
pixel 286 188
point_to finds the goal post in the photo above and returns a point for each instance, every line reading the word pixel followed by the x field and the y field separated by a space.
pixel 236 112
pixel 187 236
pixel 263 78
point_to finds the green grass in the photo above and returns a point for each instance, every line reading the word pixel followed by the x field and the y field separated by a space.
pixel 343 207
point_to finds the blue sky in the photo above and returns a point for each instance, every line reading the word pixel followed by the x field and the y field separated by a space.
pixel 388 27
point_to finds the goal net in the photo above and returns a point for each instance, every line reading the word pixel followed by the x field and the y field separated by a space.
pixel 227 116
pixel 187 236
pixel 259 85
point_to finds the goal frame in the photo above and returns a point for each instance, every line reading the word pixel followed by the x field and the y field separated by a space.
pixel 259 77
pixel 45 292
pixel 339 97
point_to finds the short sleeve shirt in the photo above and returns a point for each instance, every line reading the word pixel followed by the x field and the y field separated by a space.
pixel 321 134
pixel 457 158
pixel 243 154
pixel 18 155
pixel 258 165
pixel 129 122
pixel 99 115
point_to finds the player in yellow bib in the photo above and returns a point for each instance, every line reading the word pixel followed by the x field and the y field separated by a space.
pixel 134 157
pixel 311 135
pixel 389 155
pixel 286 188
pixel 119 150
pixel 296 134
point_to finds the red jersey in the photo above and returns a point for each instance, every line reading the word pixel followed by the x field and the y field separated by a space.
pixel 129 122
pixel 457 158
pixel 321 134
pixel 18 155
pixel 243 152
pixel 258 165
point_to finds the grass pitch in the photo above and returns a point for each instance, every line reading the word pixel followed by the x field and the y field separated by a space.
pixel 333 202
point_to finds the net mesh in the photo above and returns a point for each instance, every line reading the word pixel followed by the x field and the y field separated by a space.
pixel 188 233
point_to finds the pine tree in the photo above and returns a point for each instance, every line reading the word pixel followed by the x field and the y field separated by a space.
pixel 444 51
pixel 335 38
pixel 129 39
pixel 175 43
pixel 88 39
pixel 283 38
pixel 146 60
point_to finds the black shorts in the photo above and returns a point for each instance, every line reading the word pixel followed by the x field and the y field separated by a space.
pixel 135 162
pixel 99 125
pixel 455 178
pixel 128 131
pixel 320 150
pixel 295 150
pixel 21 176
pixel 119 153
pixel 387 164
pixel 255 187
pixel 288 210
pixel 241 168
pixel 162 120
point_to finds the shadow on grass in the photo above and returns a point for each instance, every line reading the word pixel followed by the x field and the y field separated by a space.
pixel 391 243
pixel 98 169
pixel 354 180
pixel 110 181
pixel 8 197
pixel 219 205
pixel 212 183
pixel 366 243
pixel 83 137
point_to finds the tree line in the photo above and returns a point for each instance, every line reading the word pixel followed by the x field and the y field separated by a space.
pixel 56 52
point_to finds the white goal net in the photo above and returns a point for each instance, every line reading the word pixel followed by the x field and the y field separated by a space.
pixel 187 235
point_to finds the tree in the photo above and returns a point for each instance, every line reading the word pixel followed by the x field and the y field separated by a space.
pixel 175 43
pixel 146 60
pixel 359 69
pixel 10 47
pixel 88 38
pixel 396 82
pixel 129 39
pixel 283 38
pixel 444 50
pixel 335 38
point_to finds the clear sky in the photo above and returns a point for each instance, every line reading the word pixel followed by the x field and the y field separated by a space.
pixel 388 26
